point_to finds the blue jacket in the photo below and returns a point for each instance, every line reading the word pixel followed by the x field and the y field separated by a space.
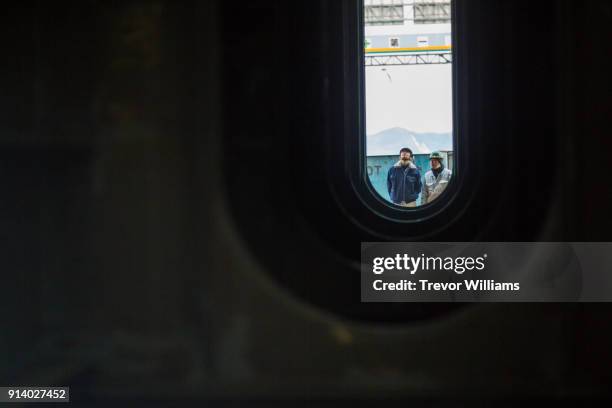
pixel 404 183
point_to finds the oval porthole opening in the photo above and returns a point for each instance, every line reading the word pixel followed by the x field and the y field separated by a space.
pixel 408 136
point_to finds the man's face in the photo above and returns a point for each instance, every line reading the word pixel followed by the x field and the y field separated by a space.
pixel 435 164
pixel 405 156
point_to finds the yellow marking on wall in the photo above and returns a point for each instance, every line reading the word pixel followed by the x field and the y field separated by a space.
pixel 413 49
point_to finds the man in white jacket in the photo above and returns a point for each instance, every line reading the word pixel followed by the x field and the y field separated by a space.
pixel 436 179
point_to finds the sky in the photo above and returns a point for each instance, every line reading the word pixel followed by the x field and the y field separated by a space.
pixel 415 97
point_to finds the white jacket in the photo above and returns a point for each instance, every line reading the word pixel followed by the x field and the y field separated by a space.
pixel 434 186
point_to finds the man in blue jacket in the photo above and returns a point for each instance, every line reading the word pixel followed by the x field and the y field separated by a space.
pixel 404 181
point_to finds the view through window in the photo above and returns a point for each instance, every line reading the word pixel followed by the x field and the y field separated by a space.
pixel 409 93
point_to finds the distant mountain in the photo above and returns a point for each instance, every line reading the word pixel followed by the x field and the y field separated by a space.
pixel 391 141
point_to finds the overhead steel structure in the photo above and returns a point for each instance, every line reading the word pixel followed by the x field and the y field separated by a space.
pixel 435 58
pixel 411 14
pixel 398 12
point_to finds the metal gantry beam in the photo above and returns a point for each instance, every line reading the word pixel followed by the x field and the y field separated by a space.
pixel 399 12
pixel 384 12
pixel 412 59
pixel 432 11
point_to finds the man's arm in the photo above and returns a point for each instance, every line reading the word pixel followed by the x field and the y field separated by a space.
pixel 425 194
